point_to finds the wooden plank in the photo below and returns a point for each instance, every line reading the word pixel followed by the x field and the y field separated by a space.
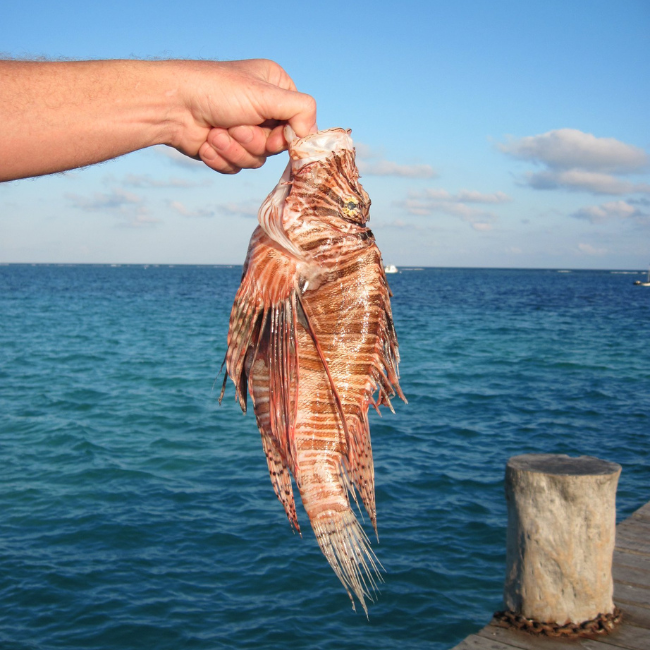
pixel 475 642
pixel 627 636
pixel 633 615
pixel 632 594
pixel 642 513
pixel 529 642
pixel 633 539
pixel 631 559
pixel 636 527
pixel 631 543
pixel 631 569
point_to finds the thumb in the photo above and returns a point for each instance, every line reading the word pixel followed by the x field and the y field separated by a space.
pixel 298 109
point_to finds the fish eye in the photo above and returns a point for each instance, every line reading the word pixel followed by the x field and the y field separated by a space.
pixel 351 205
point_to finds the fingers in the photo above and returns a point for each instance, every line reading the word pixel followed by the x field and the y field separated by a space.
pixel 276 141
pixel 215 161
pixel 225 154
pixel 242 147
pixel 253 139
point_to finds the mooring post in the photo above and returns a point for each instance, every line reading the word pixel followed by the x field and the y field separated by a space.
pixel 561 534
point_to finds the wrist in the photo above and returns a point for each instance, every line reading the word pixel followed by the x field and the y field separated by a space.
pixel 177 83
pixel 166 114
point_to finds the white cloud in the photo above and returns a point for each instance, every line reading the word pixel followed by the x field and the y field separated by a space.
pixel 588 249
pixel 372 162
pixel 424 206
pixel 399 224
pixel 389 168
pixel 574 149
pixel 578 161
pixel 462 205
pixel 177 158
pixel 116 199
pixel 580 180
pixel 463 196
pixel 182 209
pixel 126 205
pixel 612 211
pixel 247 209
pixel 364 151
pixel 140 219
pixel 471 196
pixel 240 209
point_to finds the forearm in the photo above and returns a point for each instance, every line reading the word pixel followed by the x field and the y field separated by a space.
pixel 61 115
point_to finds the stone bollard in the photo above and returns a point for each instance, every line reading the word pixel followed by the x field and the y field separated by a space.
pixel 561 534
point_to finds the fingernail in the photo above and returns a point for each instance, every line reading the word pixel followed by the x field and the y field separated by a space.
pixel 314 129
pixel 221 141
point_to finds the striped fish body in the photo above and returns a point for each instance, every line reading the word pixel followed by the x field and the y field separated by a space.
pixel 312 341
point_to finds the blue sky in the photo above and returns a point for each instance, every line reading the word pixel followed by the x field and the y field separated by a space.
pixel 498 134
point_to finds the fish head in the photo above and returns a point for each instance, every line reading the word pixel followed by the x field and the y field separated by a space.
pixel 325 177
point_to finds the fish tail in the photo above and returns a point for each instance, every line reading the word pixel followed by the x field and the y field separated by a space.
pixel 347 548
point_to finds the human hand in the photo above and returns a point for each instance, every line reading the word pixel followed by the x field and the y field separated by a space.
pixel 236 112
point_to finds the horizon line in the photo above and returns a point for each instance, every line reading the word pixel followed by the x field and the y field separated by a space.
pixel 400 267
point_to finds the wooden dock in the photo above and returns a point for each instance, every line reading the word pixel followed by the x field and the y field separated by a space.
pixel 631 594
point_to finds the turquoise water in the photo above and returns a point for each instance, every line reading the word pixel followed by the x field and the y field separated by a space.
pixel 136 513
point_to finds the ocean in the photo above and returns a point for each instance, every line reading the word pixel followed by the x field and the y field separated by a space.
pixel 137 513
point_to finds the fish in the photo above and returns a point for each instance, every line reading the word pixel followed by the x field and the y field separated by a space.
pixel 311 339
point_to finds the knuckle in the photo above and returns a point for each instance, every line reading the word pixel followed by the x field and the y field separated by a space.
pixel 272 66
pixel 310 103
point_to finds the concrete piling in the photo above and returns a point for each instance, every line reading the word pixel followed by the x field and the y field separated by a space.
pixel 561 536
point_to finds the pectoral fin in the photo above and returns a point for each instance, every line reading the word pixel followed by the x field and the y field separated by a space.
pixel 262 357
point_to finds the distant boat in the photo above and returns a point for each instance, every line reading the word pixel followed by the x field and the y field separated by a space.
pixel 646 283
pixel 391 268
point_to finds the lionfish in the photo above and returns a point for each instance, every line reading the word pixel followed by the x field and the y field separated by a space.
pixel 311 339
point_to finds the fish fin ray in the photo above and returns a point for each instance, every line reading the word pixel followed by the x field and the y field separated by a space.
pixel 263 326
pixel 360 466
pixel 385 374
pixel 280 479
pixel 282 358
pixel 347 549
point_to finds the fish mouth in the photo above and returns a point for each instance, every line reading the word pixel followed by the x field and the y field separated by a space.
pixel 316 146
